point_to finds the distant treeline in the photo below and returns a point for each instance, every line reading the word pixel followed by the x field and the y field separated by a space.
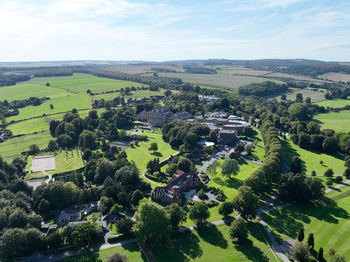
pixel 315 70
pixel 199 70
pixel 262 89
pixel 10 80
pixel 163 70
pixel 50 73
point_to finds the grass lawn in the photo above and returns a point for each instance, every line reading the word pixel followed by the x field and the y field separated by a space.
pixel 328 220
pixel 337 103
pixel 311 159
pixel 140 154
pixel 215 243
pixel 131 251
pixel 14 146
pixel 338 121
pixel 258 152
pixel 61 104
pixel 67 161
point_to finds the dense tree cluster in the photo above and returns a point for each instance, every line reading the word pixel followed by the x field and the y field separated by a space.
pixel 262 89
pixel 199 70
pixel 12 79
pixel 178 133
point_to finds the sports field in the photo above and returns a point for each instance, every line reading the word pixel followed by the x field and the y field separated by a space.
pixel 311 160
pixel 327 219
pixel 67 161
pixel 338 121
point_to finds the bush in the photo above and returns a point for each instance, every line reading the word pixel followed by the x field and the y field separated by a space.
pixel 338 179
pixel 329 173
pixel 202 195
pixel 329 182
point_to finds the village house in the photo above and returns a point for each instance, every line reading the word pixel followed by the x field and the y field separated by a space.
pixel 172 192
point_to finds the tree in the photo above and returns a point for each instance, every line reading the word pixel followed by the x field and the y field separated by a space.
pixel 320 256
pixel 34 149
pixel 115 209
pixel 176 214
pixel 239 230
pixel 213 136
pixel 136 196
pixel 311 241
pixel 299 111
pixel 347 173
pixel 330 145
pixel 171 169
pixel 87 139
pixel 284 97
pixel 83 234
pixel 117 258
pixel 52 146
pixel 246 202
pixel 153 147
pixel 105 204
pixel 184 164
pixel 51 106
pixel 199 213
pixel 226 209
pixel 329 172
pixel 301 235
pixel 301 253
pixel 299 97
pixel 124 226
pixel 152 223
pixel 296 165
pixel 18 219
pixel 229 166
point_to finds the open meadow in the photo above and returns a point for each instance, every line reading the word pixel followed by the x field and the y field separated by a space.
pixel 311 160
pixel 316 96
pixel 196 246
pixel 328 219
pixel 336 103
pixel 13 147
pixel 338 121
pixel 221 80
pixel 336 77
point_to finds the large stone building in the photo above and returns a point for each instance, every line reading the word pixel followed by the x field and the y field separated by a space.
pixel 160 116
pixel 172 192
pixel 227 136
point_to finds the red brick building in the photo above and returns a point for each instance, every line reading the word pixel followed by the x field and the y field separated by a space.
pixel 172 192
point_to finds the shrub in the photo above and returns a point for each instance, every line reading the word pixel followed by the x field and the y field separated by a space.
pixel 338 179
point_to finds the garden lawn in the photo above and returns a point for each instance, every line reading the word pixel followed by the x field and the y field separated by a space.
pixel 61 104
pixel 14 146
pixel 328 220
pixel 311 159
pixel 214 243
pixel 337 103
pixel 67 161
pixel 141 155
pixel 338 121
pixel 131 251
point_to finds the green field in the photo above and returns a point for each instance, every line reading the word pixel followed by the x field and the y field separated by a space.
pixel 65 93
pixel 221 80
pixel 337 103
pixel 311 160
pixel 338 121
pixel 42 123
pixel 196 246
pixel 134 94
pixel 140 154
pixel 14 146
pixel 67 160
pixel 316 96
pixel 131 251
pixel 328 220
pixel 61 104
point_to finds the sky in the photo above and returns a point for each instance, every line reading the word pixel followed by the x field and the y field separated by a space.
pixel 50 30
